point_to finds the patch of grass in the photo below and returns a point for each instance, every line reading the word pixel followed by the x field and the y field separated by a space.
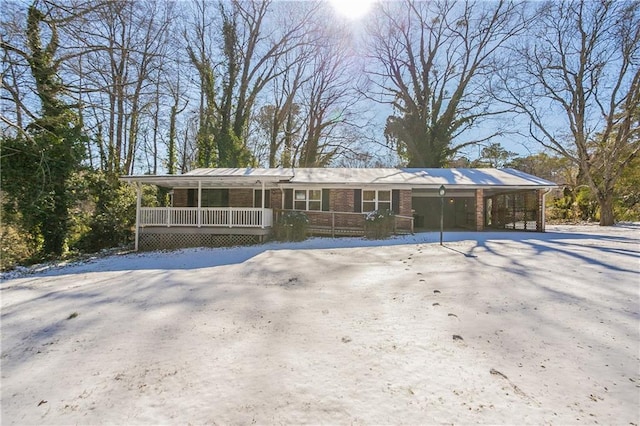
pixel 73 315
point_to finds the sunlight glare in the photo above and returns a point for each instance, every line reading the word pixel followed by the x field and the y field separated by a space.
pixel 351 9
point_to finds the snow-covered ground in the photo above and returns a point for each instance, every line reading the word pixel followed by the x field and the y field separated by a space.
pixel 489 328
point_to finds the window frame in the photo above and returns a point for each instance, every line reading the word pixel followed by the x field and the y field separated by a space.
pixel 257 198
pixel 307 199
pixel 376 200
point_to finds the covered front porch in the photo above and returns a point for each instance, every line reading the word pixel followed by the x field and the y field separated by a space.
pixel 206 210
pixel 178 227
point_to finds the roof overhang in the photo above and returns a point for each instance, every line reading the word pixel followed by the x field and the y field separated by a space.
pixel 188 181
pixel 228 177
pixel 423 179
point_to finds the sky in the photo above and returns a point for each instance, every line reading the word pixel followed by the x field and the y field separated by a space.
pixel 355 14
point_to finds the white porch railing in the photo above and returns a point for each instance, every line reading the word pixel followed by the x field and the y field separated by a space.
pixel 209 216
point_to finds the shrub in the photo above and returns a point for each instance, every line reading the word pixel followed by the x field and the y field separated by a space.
pixel 16 247
pixel 292 226
pixel 108 211
pixel 379 224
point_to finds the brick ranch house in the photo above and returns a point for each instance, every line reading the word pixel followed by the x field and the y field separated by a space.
pixel 212 207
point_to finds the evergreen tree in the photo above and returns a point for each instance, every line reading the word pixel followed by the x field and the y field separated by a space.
pixel 37 163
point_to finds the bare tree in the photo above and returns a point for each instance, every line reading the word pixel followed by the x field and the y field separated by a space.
pixel 177 97
pixel 330 101
pixel 313 115
pixel 579 86
pixel 199 35
pixel 124 45
pixel 431 62
pixel 16 78
pixel 252 43
pixel 277 122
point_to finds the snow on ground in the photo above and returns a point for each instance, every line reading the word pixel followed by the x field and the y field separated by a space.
pixel 489 328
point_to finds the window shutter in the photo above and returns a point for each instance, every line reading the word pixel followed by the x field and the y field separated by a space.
pixel 288 199
pixel 192 198
pixel 395 201
pixel 357 200
pixel 325 200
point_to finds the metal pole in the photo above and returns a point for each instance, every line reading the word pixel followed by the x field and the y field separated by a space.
pixel 441 217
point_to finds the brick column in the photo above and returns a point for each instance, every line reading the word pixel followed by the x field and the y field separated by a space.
pixel 541 207
pixel 479 210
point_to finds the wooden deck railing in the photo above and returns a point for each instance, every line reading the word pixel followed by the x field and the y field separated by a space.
pixel 339 223
pixel 206 216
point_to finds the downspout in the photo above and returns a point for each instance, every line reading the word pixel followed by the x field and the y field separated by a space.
pixel 138 205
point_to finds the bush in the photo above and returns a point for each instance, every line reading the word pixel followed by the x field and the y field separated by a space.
pixel 292 226
pixel 16 247
pixel 575 205
pixel 108 213
pixel 379 224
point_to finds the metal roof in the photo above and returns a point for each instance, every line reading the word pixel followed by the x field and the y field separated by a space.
pixel 235 177
pixel 406 177
pixel 275 173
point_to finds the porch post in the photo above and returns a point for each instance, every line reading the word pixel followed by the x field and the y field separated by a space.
pixel 199 220
pixel 262 214
pixel 479 210
pixel 138 205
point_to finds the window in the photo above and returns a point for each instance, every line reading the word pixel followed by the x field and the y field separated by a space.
pixel 375 200
pixel 307 199
pixel 257 198
pixel 210 198
pixel 215 198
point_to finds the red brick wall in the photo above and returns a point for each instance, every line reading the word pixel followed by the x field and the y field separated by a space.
pixel 539 224
pixel 276 198
pixel 341 200
pixel 405 202
pixel 479 210
pixel 180 198
pixel 241 197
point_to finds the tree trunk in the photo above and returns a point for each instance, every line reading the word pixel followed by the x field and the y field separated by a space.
pixel 172 157
pixel 606 209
